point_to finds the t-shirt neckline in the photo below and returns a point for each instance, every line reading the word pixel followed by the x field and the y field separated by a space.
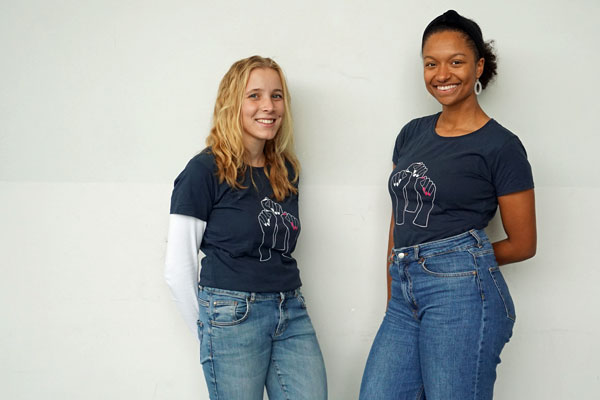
pixel 470 134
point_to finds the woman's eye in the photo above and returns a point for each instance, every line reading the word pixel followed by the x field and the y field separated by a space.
pixel 277 96
pixel 253 96
pixel 457 62
pixel 429 65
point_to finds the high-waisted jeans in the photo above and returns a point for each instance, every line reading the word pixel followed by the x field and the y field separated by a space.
pixel 252 340
pixel 448 319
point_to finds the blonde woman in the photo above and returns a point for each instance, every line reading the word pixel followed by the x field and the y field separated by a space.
pixel 237 201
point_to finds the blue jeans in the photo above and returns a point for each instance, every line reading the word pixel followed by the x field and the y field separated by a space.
pixel 252 340
pixel 448 319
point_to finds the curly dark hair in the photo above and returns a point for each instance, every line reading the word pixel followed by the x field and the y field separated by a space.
pixel 453 21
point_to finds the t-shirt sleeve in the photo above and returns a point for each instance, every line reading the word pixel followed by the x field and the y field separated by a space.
pixel 194 190
pixel 512 172
pixel 398 145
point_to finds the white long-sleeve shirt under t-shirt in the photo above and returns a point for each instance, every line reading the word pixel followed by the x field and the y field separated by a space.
pixel 181 265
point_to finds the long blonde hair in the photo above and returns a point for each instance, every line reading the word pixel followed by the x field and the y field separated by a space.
pixel 225 137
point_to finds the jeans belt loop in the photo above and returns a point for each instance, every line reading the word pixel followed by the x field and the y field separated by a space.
pixel 476 236
pixel 416 251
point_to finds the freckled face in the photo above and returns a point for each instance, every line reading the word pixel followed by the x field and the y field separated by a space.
pixel 263 107
pixel 450 69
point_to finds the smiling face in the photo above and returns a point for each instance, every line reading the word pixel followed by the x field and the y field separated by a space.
pixel 450 68
pixel 263 107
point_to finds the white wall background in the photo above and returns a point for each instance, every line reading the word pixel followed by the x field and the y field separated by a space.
pixel 103 102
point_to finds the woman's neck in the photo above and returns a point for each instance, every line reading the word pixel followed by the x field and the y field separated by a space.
pixel 461 119
pixel 255 153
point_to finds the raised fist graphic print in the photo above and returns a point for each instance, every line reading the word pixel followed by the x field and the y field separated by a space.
pixel 276 209
pixel 416 170
pixel 414 193
pixel 268 226
pixel 427 196
pixel 292 225
pixel 398 184
pixel 280 229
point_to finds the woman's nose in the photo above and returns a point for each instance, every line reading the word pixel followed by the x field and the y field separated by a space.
pixel 443 73
pixel 267 104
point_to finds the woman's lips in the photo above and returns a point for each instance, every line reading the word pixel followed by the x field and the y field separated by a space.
pixel 446 88
pixel 266 121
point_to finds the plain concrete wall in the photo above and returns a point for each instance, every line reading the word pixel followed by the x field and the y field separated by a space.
pixel 103 102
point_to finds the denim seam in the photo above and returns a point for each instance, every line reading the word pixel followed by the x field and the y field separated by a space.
pixel 282 324
pixel 481 329
pixel 199 331
pixel 213 376
pixel 478 277
pixel 508 315
pixel 447 274
pixel 236 322
pixel 280 379
pixel 221 292
pixel 481 252
pixel 420 393
pixel 225 303
pixel 479 353
pixel 410 291
pixel 403 282
pixel 203 302
pixel 466 247
pixel 242 295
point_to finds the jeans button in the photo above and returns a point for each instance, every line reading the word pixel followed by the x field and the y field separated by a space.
pixel 400 255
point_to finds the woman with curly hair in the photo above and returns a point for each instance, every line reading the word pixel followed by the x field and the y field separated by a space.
pixel 449 310
pixel 237 201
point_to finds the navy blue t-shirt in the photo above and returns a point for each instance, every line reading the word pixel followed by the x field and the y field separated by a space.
pixel 249 237
pixel 444 186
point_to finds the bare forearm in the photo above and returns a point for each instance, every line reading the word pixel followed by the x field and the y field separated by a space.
pixel 387 261
pixel 518 219
pixel 506 251
pixel 387 256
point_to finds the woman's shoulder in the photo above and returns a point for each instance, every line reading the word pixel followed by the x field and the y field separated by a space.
pixel 420 123
pixel 200 167
pixel 416 127
pixel 205 160
pixel 498 135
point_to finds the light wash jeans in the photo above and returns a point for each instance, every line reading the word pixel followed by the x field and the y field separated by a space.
pixel 448 319
pixel 252 340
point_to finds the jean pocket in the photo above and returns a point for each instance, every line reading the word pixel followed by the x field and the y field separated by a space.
pixel 502 287
pixel 449 265
pixel 229 311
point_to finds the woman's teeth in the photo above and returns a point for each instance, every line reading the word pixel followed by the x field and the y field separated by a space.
pixel 447 87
